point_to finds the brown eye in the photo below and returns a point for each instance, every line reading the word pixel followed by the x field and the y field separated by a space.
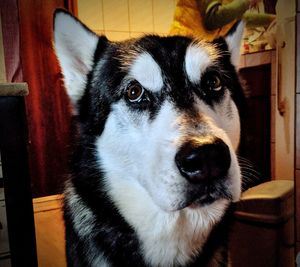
pixel 213 83
pixel 134 92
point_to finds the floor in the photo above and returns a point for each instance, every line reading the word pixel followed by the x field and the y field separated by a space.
pixel 49 229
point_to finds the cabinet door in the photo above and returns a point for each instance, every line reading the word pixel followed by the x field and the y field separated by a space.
pixel 256 135
pixel 284 129
pixel 297 206
pixel 4 243
pixel 18 198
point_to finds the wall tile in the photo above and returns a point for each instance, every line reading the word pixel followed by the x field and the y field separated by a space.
pixel 91 13
pixel 116 35
pixel 136 34
pixel 116 17
pixel 162 33
pixel 163 12
pixel 99 32
pixel 141 16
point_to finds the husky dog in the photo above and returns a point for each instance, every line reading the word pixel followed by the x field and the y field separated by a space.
pixel 155 168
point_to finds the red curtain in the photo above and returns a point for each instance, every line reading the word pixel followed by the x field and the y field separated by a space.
pixel 48 113
pixel 11 40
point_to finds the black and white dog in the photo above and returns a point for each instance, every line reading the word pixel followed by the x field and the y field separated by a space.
pixel 155 169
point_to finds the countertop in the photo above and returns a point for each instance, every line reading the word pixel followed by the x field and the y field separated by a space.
pixel 14 89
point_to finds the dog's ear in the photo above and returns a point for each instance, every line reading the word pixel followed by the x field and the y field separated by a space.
pixel 75 46
pixel 234 41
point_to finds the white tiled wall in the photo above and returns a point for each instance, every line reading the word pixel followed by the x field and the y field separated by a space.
pixel 122 19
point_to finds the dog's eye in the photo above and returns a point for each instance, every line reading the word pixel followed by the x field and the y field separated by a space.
pixel 213 83
pixel 135 92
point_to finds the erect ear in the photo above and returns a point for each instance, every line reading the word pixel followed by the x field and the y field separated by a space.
pixel 234 41
pixel 75 46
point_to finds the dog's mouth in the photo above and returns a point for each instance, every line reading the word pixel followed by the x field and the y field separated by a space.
pixel 206 195
pixel 204 200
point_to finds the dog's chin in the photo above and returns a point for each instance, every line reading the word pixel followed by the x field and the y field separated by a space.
pixel 194 197
pixel 199 202
pixel 203 201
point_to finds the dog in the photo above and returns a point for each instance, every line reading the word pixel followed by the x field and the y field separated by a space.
pixel 154 170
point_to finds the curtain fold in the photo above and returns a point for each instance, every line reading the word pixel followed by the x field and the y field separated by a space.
pixel 11 40
pixel 47 106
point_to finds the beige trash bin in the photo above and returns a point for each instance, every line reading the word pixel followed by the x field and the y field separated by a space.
pixel 263 230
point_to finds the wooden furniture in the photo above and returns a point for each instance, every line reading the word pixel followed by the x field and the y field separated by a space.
pixel 17 184
pixel 48 218
pixel 258 143
pixel 297 134
pixel 263 229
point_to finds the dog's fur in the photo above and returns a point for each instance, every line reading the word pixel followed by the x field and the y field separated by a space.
pixel 145 108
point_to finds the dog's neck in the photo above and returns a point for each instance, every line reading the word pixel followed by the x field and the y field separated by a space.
pixel 176 239
pixel 167 238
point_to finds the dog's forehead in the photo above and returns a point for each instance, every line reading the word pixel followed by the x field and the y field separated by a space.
pixel 153 60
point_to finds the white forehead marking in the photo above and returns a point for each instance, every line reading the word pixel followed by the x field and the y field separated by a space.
pixel 147 72
pixel 197 59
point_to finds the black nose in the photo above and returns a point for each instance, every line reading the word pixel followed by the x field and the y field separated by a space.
pixel 202 163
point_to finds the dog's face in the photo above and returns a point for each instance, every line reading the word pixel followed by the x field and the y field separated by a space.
pixel 161 114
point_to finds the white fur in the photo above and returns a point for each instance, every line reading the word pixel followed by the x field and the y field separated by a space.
pixel 196 61
pixel 74 46
pixel 147 72
pixel 167 238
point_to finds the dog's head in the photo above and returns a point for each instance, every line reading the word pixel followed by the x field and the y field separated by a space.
pixel 160 113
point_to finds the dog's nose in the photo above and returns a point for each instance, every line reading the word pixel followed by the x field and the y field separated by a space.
pixel 203 163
